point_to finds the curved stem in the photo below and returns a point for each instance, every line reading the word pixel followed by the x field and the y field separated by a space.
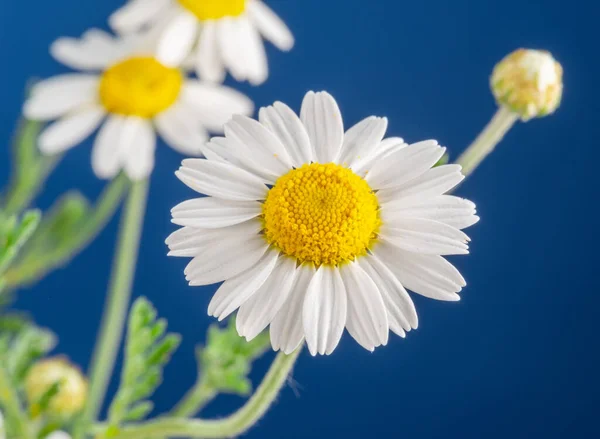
pixel 117 303
pixel 195 400
pixel 234 425
pixel 33 269
pixel 10 402
pixel 485 143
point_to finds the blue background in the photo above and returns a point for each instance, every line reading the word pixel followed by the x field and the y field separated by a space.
pixel 518 356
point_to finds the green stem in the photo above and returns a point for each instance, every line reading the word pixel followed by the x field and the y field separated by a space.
pixel 10 402
pixel 485 143
pixel 234 425
pixel 195 400
pixel 32 269
pixel 115 312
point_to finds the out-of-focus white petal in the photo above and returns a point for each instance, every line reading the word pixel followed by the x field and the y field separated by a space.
pixel 139 160
pixel 177 39
pixel 208 62
pixel 70 130
pixel 181 128
pixel 136 14
pixel 270 25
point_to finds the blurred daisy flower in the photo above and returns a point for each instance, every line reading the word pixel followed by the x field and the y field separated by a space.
pixel 213 35
pixel 314 230
pixel 135 95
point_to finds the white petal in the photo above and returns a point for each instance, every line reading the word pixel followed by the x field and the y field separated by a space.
pixel 257 68
pixel 324 311
pixel 177 39
pixel 286 329
pixel 270 25
pixel 429 275
pixel 432 183
pixel 70 130
pixel 425 236
pixel 402 314
pixel 210 213
pixel 209 65
pixel 290 131
pixel 139 161
pixel 225 150
pixel 322 118
pixel 261 143
pixel 95 50
pixel 59 95
pixel 221 180
pixel 386 147
pixel 216 104
pixel 181 129
pixel 190 242
pixel 405 165
pixel 235 291
pixel 136 14
pixel 106 153
pixel 361 140
pixel 260 310
pixel 225 258
pixel 367 320
pixel 453 211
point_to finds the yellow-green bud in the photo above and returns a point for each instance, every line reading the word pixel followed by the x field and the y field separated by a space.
pixel 528 82
pixel 72 390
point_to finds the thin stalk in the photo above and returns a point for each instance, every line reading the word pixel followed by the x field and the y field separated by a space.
pixel 232 426
pixel 10 401
pixel 195 400
pixel 485 143
pixel 115 313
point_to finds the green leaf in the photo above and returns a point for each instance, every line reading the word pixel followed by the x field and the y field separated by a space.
pixel 147 350
pixel 14 235
pixel 227 359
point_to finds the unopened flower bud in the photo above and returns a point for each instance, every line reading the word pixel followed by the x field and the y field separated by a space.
pixel 72 386
pixel 528 82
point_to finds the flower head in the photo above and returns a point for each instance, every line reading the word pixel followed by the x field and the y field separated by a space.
pixel 314 229
pixel 212 35
pixel 72 386
pixel 135 95
pixel 528 82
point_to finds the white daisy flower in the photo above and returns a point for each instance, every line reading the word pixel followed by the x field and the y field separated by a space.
pixel 314 230
pixel 135 95
pixel 215 35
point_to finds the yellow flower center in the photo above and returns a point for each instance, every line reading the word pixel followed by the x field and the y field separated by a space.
pixel 324 214
pixel 214 9
pixel 140 86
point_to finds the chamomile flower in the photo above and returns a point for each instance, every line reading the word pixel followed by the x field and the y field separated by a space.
pixel 314 230
pixel 132 95
pixel 214 35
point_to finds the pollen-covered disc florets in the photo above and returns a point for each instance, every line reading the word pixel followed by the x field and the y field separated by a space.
pixel 325 214
pixel 529 82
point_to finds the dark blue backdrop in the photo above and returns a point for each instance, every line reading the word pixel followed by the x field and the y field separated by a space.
pixel 518 356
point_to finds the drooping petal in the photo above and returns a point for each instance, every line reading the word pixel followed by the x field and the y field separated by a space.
pixel 286 125
pixel 211 213
pixel 139 160
pixel 260 310
pixel 221 180
pixel 270 25
pixel 324 311
pixel 236 291
pixel 322 119
pixel 70 130
pixel 181 129
pixel 106 153
pixel 255 57
pixel 95 50
pixel 361 140
pixel 287 331
pixel 367 320
pixel 136 14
